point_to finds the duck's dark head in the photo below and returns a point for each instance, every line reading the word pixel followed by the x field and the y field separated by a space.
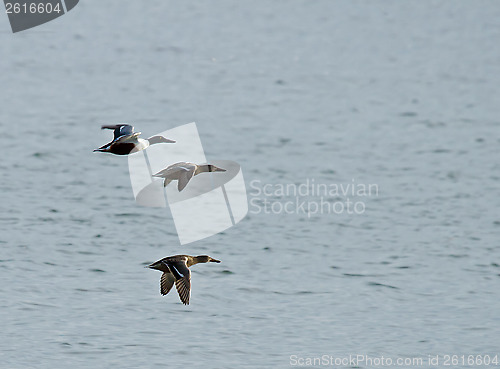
pixel 206 259
pixel 159 139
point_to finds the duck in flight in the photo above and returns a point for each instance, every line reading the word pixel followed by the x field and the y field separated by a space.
pixel 183 172
pixel 176 270
pixel 126 141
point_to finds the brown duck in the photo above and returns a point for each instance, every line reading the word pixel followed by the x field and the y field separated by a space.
pixel 176 270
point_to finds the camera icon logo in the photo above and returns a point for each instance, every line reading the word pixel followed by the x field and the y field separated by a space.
pixel 202 205
pixel 25 14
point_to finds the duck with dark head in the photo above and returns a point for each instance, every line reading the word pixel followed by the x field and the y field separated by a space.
pixel 176 270
pixel 126 141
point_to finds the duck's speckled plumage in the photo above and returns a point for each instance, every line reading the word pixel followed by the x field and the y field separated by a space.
pixel 176 271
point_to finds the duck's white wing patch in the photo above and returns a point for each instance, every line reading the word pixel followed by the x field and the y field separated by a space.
pixel 179 270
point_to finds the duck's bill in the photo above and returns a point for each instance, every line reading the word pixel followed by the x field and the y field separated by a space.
pixel 215 261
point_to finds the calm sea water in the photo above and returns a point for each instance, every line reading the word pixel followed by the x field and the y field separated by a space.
pixel 403 95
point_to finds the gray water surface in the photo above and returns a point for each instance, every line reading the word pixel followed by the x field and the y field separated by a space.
pixel 404 95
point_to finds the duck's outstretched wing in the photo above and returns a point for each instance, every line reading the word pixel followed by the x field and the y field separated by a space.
pixel 166 282
pixel 184 178
pixel 182 172
pixel 182 276
pixel 120 129
pixel 183 286
pixel 170 172
pixel 173 170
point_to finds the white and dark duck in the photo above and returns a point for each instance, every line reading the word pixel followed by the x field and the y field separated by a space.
pixel 126 141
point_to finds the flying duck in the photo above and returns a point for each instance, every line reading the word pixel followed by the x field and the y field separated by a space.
pixel 126 141
pixel 176 270
pixel 183 172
